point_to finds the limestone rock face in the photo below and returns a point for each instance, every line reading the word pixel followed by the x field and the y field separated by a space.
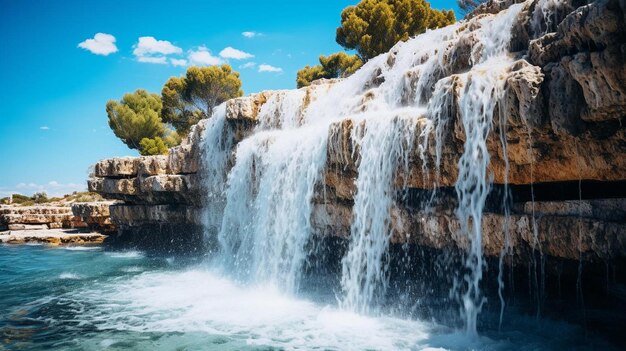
pixel 51 237
pixel 38 217
pixel 561 119
pixel 96 215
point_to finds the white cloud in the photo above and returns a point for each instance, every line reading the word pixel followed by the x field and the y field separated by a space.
pixel 101 44
pixel 52 188
pixel 248 65
pixel 151 50
pixel 251 35
pixel 269 68
pixel 44 128
pixel 153 59
pixel 178 62
pixel 151 46
pixel 232 53
pixel 203 56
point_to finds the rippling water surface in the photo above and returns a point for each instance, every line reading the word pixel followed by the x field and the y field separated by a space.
pixel 85 298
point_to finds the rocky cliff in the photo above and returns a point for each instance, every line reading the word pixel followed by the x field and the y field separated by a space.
pixel 496 144
pixel 56 223
pixel 559 120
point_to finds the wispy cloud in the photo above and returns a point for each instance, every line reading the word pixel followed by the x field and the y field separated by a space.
pixel 232 53
pixel 251 34
pixel 248 65
pixel 178 62
pixel 153 59
pixel 202 56
pixel 44 128
pixel 100 44
pixel 151 50
pixel 269 68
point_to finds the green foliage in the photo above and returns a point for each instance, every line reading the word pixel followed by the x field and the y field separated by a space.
pixel 372 27
pixel 337 65
pixel 135 117
pixel 177 110
pixel 192 97
pixel 40 197
pixel 83 196
pixel 154 146
pixel 19 198
pixel 172 138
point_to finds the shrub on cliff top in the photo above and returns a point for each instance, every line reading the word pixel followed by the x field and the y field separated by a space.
pixel 40 197
pixel 189 98
pixel 135 117
pixel 337 65
pixel 154 146
pixel 372 27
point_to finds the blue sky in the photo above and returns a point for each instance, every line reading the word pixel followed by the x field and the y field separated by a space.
pixel 53 124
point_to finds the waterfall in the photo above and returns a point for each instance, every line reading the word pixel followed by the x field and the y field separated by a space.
pixel 267 217
pixel 384 144
pixel 403 105
pixel 483 89
pixel 217 143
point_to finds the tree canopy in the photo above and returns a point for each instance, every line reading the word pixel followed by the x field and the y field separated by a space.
pixel 337 65
pixel 154 146
pixel 135 117
pixel 144 121
pixel 372 27
pixel 189 98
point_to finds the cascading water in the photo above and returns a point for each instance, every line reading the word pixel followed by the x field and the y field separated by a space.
pixel 546 16
pixel 217 145
pixel 483 89
pixel 267 218
pixel 382 151
pixel 477 104
pixel 416 120
pixel 396 101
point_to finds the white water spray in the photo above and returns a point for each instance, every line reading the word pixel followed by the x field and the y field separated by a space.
pixel 384 145
pixel 266 224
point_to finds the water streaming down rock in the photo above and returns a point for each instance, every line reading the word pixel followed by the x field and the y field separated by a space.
pixel 384 145
pixel 444 82
pixel 365 169
pixel 217 143
pixel 483 88
pixel 268 203
pixel 266 224
pixel 546 16
pixel 267 218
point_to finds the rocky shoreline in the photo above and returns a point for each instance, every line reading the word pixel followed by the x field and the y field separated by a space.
pixel 52 237
pixel 56 224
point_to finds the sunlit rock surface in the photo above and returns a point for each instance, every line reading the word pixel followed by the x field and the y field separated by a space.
pixel 560 120
pixel 52 237
pixel 96 215
pixel 38 217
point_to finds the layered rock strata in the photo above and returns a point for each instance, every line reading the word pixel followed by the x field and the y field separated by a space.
pixel 38 217
pixel 52 237
pixel 96 215
pixel 78 223
pixel 561 119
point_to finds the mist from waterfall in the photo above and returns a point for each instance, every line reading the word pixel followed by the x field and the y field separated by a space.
pixel 400 104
